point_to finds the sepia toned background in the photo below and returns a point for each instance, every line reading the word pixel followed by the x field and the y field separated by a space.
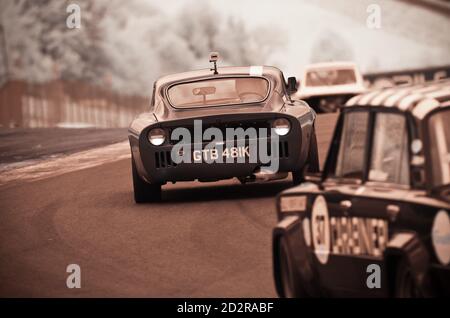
pixel 101 74
pixel 67 96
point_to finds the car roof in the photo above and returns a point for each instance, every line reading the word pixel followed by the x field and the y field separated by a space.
pixel 227 70
pixel 419 99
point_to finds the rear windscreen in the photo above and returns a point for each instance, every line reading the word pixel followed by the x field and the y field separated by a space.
pixel 330 77
pixel 218 92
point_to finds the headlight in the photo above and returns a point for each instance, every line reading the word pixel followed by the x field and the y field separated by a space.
pixel 293 203
pixel 157 136
pixel 440 236
pixel 281 126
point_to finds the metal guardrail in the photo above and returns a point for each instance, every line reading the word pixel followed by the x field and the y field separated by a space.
pixel 414 76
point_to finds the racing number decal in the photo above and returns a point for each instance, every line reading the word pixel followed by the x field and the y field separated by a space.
pixel 320 229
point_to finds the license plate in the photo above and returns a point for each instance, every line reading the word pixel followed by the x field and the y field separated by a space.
pixel 219 155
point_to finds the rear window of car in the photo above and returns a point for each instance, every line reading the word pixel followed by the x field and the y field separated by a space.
pixel 330 77
pixel 219 92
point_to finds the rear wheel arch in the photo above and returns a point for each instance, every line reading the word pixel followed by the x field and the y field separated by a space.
pixel 391 265
pixel 411 255
pixel 144 192
pixel 311 164
pixel 313 157
pixel 276 263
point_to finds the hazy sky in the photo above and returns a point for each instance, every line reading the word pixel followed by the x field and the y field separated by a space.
pixel 144 39
pixel 409 36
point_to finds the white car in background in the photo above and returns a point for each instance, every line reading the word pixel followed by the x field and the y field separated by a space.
pixel 328 86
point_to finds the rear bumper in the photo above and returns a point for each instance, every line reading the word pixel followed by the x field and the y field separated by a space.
pixel 154 163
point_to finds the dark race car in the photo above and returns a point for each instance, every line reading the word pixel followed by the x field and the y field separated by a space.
pixel 248 112
pixel 376 223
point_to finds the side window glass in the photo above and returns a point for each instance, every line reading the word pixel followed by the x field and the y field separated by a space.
pixel 439 130
pixel 350 161
pixel 389 162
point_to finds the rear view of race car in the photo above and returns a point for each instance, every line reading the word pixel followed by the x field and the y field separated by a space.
pixel 222 123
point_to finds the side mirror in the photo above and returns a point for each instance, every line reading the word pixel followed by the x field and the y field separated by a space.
pixel 291 85
pixel 418 170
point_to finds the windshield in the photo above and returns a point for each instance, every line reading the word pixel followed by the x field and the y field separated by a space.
pixel 440 147
pixel 218 92
pixel 389 162
pixel 330 77
pixel 350 162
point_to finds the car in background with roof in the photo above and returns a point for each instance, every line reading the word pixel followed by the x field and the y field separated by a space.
pixel 326 87
pixel 381 203
pixel 252 97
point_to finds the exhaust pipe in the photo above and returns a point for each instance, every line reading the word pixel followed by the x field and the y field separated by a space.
pixel 263 174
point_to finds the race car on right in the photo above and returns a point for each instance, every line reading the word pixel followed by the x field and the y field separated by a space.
pixel 375 222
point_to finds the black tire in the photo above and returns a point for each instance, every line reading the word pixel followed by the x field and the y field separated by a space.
pixel 298 177
pixel 405 284
pixel 312 165
pixel 144 192
pixel 313 159
pixel 290 286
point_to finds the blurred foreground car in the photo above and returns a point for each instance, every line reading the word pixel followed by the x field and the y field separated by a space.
pixel 328 86
pixel 223 98
pixel 383 200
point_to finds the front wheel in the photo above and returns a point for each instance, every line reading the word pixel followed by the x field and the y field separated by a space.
pixel 144 192
pixel 297 177
pixel 405 284
pixel 313 158
pixel 290 286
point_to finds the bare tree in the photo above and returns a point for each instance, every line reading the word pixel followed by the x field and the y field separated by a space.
pixel 331 47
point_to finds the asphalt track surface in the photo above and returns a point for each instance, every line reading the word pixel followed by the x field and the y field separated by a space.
pixel 203 240
pixel 23 144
